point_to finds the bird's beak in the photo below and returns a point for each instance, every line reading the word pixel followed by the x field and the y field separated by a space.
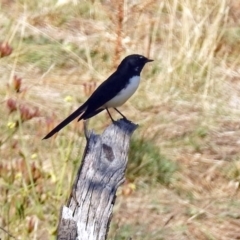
pixel 149 60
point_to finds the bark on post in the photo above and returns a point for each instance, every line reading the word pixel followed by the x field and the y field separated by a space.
pixel 88 212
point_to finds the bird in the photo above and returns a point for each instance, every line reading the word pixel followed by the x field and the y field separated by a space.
pixel 112 93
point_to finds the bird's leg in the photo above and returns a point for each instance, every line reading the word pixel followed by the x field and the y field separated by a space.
pixel 110 115
pixel 121 114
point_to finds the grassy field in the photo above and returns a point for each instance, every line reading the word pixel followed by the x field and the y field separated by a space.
pixel 184 170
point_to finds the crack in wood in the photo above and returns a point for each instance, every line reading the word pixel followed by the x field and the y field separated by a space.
pixel 108 152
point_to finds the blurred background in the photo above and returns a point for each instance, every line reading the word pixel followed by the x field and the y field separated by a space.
pixel 182 180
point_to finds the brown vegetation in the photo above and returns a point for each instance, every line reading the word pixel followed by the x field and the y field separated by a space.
pixel 184 172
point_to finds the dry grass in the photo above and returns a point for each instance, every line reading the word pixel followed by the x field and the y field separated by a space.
pixel 187 181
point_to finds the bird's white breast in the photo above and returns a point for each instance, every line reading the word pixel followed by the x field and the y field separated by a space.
pixel 125 93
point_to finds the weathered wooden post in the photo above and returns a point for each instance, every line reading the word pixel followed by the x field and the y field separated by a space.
pixel 88 212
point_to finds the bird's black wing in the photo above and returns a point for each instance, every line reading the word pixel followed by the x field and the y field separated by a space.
pixel 105 92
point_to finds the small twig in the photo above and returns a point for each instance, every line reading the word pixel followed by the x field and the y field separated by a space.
pixel 7 232
pixel 86 132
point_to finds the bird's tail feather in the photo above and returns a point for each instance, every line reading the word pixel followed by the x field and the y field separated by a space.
pixel 66 121
pixel 87 115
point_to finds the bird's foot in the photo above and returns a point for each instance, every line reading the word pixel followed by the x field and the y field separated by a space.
pixel 121 119
pixel 126 120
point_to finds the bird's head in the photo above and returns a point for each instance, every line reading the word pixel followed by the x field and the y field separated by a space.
pixel 134 63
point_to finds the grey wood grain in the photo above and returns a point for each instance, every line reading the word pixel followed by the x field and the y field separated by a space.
pixel 88 213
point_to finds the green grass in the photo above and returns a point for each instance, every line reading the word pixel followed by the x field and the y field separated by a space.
pixel 148 164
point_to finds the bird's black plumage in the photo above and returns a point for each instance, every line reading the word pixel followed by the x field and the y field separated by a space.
pixel 130 67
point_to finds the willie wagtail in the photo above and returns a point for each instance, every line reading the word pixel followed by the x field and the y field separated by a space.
pixel 112 93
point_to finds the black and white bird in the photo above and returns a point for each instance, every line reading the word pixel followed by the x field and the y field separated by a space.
pixel 112 93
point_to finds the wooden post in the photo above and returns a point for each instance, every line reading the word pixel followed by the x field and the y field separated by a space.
pixel 88 212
